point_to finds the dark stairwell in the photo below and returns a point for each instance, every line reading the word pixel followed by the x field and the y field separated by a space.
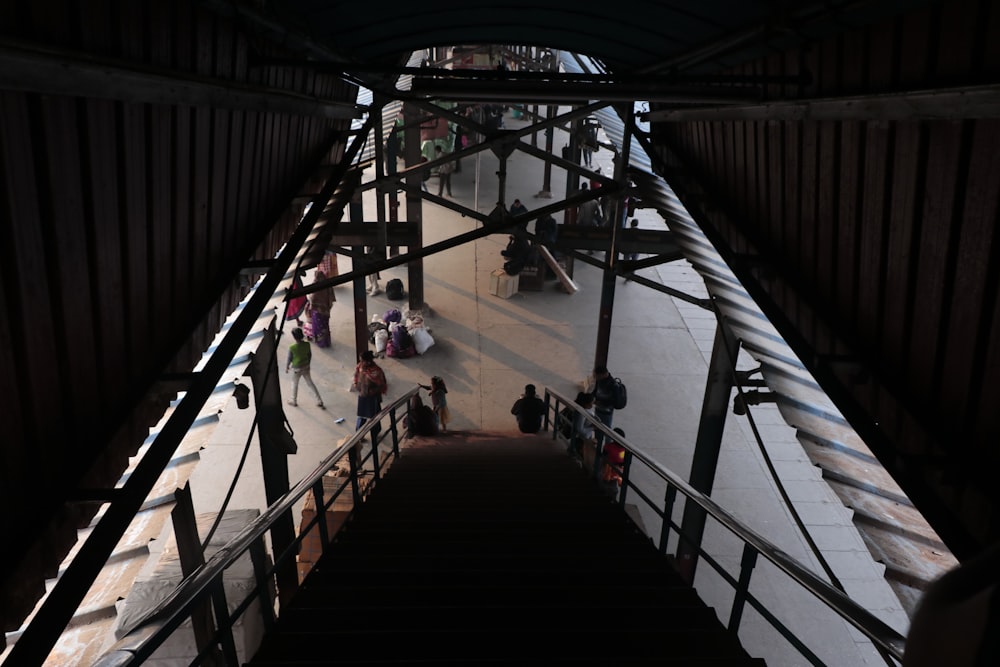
pixel 494 549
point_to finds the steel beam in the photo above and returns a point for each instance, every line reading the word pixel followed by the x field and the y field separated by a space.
pixel 82 75
pixel 708 444
pixel 560 91
pixel 943 104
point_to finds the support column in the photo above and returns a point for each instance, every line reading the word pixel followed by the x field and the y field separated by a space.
pixel 414 205
pixel 276 443
pixel 359 285
pixel 609 279
pixel 714 407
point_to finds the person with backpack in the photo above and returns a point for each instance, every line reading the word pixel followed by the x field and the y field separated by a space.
pixel 371 385
pixel 529 410
pixel 609 395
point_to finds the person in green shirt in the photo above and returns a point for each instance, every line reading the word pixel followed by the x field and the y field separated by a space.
pixel 299 358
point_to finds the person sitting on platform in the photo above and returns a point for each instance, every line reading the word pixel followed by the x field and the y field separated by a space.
pixel 529 410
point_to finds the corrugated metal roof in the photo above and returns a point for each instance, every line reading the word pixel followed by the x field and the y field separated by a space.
pixel 389 112
pixel 611 122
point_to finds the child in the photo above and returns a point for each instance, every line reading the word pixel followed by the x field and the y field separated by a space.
pixel 440 402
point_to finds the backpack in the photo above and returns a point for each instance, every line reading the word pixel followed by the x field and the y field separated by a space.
pixel 394 289
pixel 401 339
pixel 392 315
pixel 620 394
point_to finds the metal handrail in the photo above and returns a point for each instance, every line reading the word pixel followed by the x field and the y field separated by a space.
pixel 206 581
pixel 871 626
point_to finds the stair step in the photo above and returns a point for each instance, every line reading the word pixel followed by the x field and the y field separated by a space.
pixel 454 643
pixel 702 661
pixel 334 594
pixel 477 551
pixel 646 617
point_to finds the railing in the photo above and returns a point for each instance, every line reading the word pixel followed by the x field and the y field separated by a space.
pixel 884 637
pixel 205 584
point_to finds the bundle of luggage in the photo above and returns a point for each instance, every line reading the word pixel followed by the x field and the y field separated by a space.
pixel 395 337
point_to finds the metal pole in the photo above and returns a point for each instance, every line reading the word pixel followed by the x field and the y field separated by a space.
pixel 414 205
pixel 714 406
pixel 609 280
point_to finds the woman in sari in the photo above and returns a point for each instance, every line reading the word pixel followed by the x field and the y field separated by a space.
pixel 321 302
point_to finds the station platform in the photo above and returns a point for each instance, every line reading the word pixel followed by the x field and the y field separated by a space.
pixel 487 347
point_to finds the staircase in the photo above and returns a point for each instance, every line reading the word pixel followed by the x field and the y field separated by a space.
pixel 494 549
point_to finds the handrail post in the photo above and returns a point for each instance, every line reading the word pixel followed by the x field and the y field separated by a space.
pixel 318 499
pixel 626 466
pixel 394 428
pixel 258 557
pixel 192 556
pixel 224 623
pixel 668 509
pixel 739 601
pixel 352 457
pixel 375 440
pixel 598 459
pixel 545 414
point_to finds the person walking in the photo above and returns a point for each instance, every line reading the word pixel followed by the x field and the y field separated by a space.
pixel 444 172
pixel 371 385
pixel 528 409
pixel 299 358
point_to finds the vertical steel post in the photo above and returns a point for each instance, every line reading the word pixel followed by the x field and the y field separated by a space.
pixel 224 623
pixel 714 406
pixel 258 557
pixel 192 556
pixel 414 205
pixel 668 511
pixel 609 279
pixel 743 588
pixel 358 285
pixel 276 444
